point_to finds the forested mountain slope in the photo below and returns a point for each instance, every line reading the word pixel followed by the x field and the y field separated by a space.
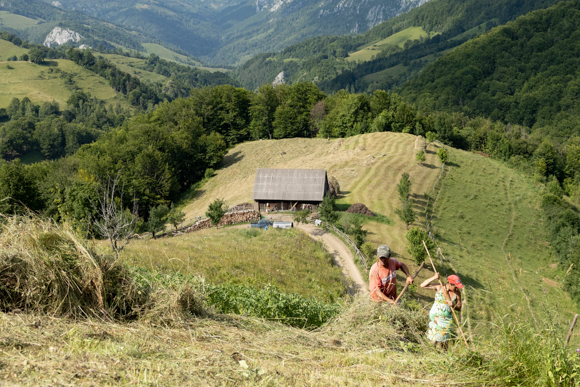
pixel 390 53
pixel 526 72
pixel 230 32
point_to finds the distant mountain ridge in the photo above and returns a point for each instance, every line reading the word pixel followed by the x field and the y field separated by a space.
pixel 231 32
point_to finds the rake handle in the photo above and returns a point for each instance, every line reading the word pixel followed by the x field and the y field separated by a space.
pixel 407 285
pixel 570 331
pixel 446 294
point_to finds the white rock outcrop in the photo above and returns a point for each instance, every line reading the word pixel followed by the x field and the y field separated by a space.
pixel 280 79
pixel 59 36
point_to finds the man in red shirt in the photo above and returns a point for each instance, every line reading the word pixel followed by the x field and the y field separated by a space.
pixel 383 276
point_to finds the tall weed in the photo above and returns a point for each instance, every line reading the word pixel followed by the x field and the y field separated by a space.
pixel 523 355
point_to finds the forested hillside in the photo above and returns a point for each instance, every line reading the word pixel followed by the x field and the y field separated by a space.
pixel 334 62
pixel 526 73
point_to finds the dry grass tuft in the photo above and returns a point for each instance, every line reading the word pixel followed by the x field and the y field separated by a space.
pixel 45 268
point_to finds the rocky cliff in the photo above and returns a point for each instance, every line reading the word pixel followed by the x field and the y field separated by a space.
pixel 59 36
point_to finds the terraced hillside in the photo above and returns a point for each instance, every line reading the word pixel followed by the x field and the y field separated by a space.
pixel 484 212
pixel 367 167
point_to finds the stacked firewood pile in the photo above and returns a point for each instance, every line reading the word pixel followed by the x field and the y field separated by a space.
pixel 228 218
pixel 239 217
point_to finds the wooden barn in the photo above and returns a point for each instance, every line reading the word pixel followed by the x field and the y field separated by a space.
pixel 288 189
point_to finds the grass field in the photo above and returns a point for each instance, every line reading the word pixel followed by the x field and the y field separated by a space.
pixel 131 66
pixel 490 227
pixel 14 21
pixel 356 165
pixel 397 39
pixel 165 53
pixel 40 85
pixel 287 259
pixel 484 212
pixel 472 213
pixel 8 50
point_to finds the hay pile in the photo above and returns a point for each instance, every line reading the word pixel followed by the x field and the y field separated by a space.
pixel 333 186
pixel 359 208
pixel 46 268
pixel 420 144
pixel 366 324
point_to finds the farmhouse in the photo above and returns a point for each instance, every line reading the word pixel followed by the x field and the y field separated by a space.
pixel 287 189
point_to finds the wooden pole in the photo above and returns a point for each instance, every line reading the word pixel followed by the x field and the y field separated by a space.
pixel 446 296
pixel 570 331
pixel 407 285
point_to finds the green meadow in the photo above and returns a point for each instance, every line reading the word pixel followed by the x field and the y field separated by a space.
pixel 56 80
pixel 489 225
pixel 397 39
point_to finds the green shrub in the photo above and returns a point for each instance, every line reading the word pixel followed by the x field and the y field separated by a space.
pixel 415 238
pixel 443 156
pixel 209 173
pixel 271 304
pixel 216 210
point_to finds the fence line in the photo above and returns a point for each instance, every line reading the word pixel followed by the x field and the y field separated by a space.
pixel 362 257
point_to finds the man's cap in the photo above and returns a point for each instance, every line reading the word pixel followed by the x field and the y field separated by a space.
pixel 383 251
pixel 454 280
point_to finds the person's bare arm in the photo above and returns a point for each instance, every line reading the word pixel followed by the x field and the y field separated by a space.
pixel 382 296
pixel 406 271
pixel 425 284
pixel 457 305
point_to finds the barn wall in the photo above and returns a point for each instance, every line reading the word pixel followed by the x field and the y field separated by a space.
pixel 262 206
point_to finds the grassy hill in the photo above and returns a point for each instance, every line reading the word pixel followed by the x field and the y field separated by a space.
pixel 484 212
pixel 50 82
pixel 287 259
pixel 355 165
pixel 487 222
pixel 366 53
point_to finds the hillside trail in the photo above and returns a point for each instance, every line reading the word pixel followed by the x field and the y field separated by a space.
pixel 341 254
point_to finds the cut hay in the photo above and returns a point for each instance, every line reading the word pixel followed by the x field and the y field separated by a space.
pixel 359 208
pixel 420 144
pixel 46 268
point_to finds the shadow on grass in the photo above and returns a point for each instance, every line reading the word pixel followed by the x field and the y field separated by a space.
pixel 379 218
pixel 452 164
pixel 231 159
pixel 430 166
pixel 50 63
pixel 192 192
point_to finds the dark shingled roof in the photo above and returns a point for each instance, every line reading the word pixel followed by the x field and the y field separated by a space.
pixel 308 185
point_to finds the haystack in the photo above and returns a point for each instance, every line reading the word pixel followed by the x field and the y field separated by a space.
pixel 420 144
pixel 359 208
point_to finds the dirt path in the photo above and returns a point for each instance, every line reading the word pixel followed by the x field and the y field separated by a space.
pixel 341 254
